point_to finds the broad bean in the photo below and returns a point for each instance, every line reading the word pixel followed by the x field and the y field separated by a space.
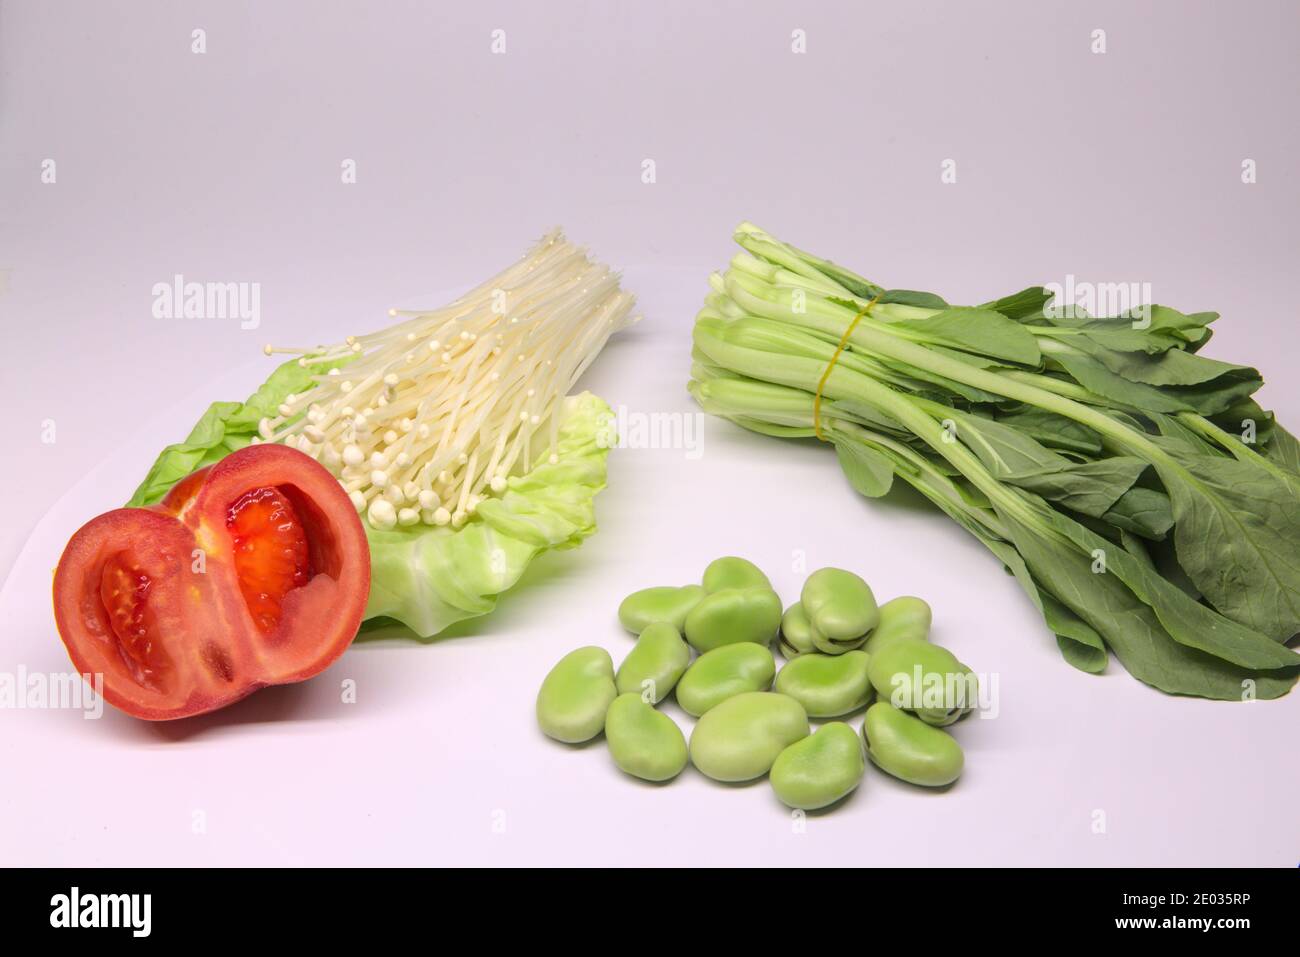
pixel 840 607
pixel 740 738
pixel 908 748
pixel 732 572
pixel 913 674
pixel 820 769
pixel 796 632
pixel 732 615
pixel 724 673
pixel 575 695
pixel 660 603
pixel 903 617
pixel 643 742
pixel 827 685
pixel 654 664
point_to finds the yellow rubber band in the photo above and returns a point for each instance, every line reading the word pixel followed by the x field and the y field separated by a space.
pixel 844 342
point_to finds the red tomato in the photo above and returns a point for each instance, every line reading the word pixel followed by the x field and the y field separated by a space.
pixel 251 572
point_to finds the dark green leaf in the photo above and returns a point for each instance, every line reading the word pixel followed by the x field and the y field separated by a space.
pixel 1131 628
pixel 1052 430
pixel 1236 529
pixel 979 331
pixel 1217 395
pixel 1087 487
pixel 1096 378
pixel 1187 621
pixel 910 297
pixel 1283 449
pixel 1079 642
pixel 1234 420
pixel 1142 511
pixel 1174 432
pixel 1026 304
pixel 1174 367
pixel 1004 451
pixel 1190 327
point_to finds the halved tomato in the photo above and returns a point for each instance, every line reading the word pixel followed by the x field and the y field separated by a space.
pixel 251 572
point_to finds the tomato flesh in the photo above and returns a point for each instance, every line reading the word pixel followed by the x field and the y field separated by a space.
pixel 270 552
pixel 124 590
pixel 252 572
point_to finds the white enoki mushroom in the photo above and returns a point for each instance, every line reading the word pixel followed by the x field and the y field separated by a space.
pixel 435 413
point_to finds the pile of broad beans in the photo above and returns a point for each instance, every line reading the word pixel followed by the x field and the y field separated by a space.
pixel 710 645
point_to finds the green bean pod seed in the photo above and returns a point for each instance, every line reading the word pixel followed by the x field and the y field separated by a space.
pixel 908 748
pixel 654 664
pixel 827 685
pixel 739 739
pixel 915 675
pixel 661 603
pixel 724 673
pixel 796 632
pixel 839 605
pixel 820 769
pixel 731 572
pixel 642 741
pixel 732 615
pixel 576 694
pixel 904 617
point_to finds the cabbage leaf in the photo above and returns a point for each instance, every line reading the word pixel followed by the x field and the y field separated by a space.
pixel 429 577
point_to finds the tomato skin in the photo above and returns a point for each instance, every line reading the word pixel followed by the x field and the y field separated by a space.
pixel 152 599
